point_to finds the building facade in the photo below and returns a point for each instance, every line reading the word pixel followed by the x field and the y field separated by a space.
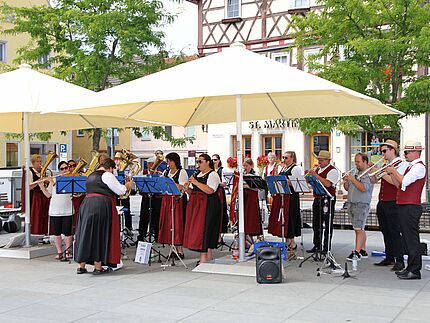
pixel 264 26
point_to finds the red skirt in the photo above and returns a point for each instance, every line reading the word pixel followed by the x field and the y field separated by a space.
pixel 224 215
pixel 39 213
pixel 203 222
pixel 114 253
pixel 253 225
pixel 165 227
pixel 275 223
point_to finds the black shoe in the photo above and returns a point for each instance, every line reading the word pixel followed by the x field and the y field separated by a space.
pixel 384 262
pixel 410 275
pixel 351 255
pixel 314 249
pixel 398 266
pixel 363 254
pixel 401 272
pixel 99 271
pixel 81 270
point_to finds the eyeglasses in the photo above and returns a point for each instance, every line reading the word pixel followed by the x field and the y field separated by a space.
pixel 199 161
pixel 408 151
pixel 214 159
pixel 284 157
pixel 64 168
pixel 72 165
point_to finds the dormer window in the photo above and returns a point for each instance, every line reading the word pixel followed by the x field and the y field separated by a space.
pixel 232 8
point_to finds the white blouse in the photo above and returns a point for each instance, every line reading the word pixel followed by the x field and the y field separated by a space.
pixel 60 204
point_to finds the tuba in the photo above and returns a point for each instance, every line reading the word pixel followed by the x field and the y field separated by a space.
pixel 94 164
pixel 129 161
pixel 49 159
pixel 79 167
pixel 159 158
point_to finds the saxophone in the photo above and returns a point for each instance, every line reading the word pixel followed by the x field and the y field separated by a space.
pixel 129 160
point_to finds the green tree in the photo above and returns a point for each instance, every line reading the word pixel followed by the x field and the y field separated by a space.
pixel 374 47
pixel 93 43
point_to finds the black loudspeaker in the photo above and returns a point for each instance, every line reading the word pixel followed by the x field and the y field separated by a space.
pixel 1 225
pixel 268 265
pixel 13 224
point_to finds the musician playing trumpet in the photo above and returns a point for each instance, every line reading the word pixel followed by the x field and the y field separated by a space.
pixel 180 177
pixel 387 210
pixel 359 197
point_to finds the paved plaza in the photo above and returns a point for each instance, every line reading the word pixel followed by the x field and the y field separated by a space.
pixel 46 290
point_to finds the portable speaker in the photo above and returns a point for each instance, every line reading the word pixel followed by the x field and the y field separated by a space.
pixel 13 224
pixel 268 265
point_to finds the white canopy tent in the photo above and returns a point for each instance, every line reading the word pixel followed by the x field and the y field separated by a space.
pixel 27 94
pixel 232 86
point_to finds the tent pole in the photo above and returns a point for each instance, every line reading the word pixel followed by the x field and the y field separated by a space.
pixel 28 180
pixel 240 185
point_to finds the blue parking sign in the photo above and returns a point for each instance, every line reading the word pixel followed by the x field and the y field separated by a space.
pixel 63 148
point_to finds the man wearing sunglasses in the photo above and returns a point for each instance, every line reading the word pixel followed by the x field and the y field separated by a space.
pixel 410 185
pixel 387 209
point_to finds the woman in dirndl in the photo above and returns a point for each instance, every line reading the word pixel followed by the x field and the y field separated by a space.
pixel 253 225
pixel 292 218
pixel 221 193
pixel 180 177
pixel 203 211
pixel 98 229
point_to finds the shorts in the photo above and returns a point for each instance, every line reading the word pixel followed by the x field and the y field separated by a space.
pixel 62 225
pixel 358 213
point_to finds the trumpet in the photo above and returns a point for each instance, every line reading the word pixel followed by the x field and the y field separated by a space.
pixel 381 172
pixel 347 173
pixel 370 168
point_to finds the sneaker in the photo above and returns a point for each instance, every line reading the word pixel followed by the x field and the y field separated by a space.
pixel 363 254
pixel 349 258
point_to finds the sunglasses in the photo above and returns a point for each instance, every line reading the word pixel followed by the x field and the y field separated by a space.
pixel 199 161
pixel 64 168
pixel 214 159
pixel 408 151
pixel 284 157
pixel 72 165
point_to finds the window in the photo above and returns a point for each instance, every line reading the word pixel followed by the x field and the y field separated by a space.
pixel 309 56
pixel 2 51
pixel 80 133
pixel 43 149
pixel 168 130
pixel 295 4
pixel 246 146
pixel 12 154
pixel 190 131
pixel 272 143
pixel 43 60
pixel 232 8
pixel 283 58
pixel 365 142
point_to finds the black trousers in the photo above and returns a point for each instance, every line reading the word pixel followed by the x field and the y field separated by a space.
pixel 144 216
pixel 389 224
pixel 127 214
pixel 320 219
pixel 409 216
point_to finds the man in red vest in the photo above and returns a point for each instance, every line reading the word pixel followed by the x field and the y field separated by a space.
pixel 410 186
pixel 323 205
pixel 387 209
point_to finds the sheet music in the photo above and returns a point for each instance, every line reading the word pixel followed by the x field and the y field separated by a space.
pixel 300 184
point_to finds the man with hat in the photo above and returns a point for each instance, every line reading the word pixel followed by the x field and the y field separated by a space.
pixel 387 209
pixel 323 206
pixel 410 185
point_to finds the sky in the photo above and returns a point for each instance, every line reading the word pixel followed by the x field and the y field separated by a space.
pixel 181 36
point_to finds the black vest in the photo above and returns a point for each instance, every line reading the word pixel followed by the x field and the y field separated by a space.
pixel 96 185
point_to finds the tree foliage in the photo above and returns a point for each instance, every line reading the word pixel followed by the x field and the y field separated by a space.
pixel 93 43
pixel 374 47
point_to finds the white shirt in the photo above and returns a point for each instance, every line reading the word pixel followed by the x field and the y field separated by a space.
pixel 296 171
pixel 183 176
pixel 333 176
pixel 268 168
pixel 110 180
pixel 213 180
pixel 401 168
pixel 416 172
pixel 60 204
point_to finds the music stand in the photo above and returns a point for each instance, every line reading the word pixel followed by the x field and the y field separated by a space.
pixel 168 187
pixel 150 185
pixel 300 185
pixel 70 185
pixel 279 185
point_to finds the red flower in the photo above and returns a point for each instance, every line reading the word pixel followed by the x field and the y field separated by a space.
pixel 262 161
pixel 232 162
